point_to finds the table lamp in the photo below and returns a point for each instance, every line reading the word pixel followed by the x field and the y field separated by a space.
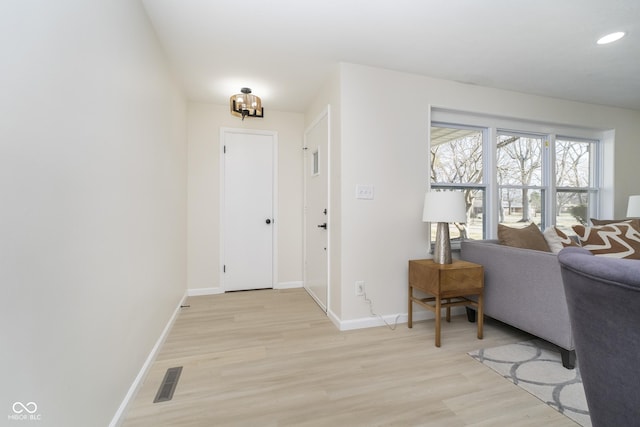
pixel 633 208
pixel 443 207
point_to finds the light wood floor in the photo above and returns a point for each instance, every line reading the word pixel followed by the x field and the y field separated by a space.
pixel 273 358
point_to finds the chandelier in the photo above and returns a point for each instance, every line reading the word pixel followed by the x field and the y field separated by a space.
pixel 246 104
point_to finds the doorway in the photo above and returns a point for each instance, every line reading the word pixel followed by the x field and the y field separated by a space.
pixel 248 165
pixel 316 210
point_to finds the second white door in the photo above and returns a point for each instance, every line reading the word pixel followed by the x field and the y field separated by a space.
pixel 248 209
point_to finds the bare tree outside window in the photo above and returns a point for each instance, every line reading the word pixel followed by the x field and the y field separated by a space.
pixel 573 181
pixel 519 168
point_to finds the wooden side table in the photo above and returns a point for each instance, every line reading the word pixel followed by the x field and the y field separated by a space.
pixel 452 283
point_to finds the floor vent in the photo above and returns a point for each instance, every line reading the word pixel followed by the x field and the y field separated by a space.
pixel 165 392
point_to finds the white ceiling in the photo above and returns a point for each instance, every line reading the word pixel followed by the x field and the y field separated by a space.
pixel 285 49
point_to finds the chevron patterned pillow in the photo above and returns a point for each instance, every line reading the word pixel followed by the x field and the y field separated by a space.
pixel 635 222
pixel 619 240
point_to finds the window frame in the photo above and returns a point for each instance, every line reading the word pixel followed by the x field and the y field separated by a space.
pixel 492 126
pixel 543 187
pixel 595 171
pixel 463 186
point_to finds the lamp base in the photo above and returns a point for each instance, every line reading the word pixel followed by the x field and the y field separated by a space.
pixel 442 250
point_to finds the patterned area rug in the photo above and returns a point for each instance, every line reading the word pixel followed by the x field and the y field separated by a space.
pixel 536 366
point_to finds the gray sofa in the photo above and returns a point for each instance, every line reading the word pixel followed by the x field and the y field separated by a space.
pixel 523 288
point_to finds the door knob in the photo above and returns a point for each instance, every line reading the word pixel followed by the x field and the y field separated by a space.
pixel 323 226
pixel 268 221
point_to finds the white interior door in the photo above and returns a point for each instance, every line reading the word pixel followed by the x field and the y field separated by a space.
pixel 317 211
pixel 248 210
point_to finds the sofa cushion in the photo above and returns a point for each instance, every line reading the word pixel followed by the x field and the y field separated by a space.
pixel 618 240
pixel 557 240
pixel 529 237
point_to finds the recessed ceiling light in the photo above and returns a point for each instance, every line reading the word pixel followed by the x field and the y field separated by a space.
pixel 610 38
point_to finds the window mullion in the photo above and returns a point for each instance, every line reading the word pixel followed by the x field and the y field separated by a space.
pixel 549 179
pixel 491 178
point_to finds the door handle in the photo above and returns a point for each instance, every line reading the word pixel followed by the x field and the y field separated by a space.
pixel 268 221
pixel 323 226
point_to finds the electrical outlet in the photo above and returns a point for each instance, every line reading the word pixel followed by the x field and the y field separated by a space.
pixel 359 288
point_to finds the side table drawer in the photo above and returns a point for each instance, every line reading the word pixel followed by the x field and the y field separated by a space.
pixel 462 279
pixel 424 277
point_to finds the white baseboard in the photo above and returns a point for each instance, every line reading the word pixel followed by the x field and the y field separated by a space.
pixel 335 319
pixel 118 418
pixel 204 291
pixel 288 285
pixel 194 292
pixel 372 322
pixel 390 319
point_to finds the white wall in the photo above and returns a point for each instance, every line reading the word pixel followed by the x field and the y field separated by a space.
pixel 93 193
pixel 204 123
pixel 386 146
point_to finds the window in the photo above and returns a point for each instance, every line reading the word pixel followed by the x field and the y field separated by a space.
pixel 520 184
pixel 576 192
pixel 457 164
pixel 514 177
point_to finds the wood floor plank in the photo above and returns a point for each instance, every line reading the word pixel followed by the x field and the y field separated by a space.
pixel 273 358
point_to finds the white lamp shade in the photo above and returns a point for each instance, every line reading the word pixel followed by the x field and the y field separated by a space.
pixel 444 206
pixel 633 208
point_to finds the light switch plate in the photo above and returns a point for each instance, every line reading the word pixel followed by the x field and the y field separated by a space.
pixel 364 191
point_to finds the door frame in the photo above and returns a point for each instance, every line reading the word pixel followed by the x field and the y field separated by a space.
pixel 324 113
pixel 274 181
